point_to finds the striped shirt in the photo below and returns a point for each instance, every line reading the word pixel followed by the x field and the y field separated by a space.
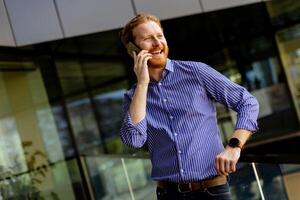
pixel 180 127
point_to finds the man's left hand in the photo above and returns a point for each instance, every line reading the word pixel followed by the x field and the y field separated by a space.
pixel 227 159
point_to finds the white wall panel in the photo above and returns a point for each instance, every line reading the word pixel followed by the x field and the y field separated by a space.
pixel 88 16
pixel 33 21
pixel 210 5
pixel 6 35
pixel 166 9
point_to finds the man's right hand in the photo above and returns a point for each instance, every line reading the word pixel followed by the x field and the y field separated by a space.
pixel 141 67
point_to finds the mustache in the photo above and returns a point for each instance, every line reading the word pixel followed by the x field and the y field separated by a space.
pixel 158 47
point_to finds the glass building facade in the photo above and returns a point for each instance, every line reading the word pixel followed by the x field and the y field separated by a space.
pixel 61 107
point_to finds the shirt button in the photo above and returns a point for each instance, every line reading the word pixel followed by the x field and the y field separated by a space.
pixel 159 83
pixel 171 117
pixel 182 171
pixel 175 134
pixel 165 100
pixel 179 152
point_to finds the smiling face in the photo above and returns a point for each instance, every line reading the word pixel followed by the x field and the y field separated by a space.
pixel 149 36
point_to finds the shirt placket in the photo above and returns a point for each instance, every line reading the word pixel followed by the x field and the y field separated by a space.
pixel 175 135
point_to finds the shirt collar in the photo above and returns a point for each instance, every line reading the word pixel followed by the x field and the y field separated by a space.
pixel 169 65
pixel 168 68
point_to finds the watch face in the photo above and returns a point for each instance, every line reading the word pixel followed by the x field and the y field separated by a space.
pixel 234 142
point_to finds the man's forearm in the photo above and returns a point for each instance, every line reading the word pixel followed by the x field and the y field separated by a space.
pixel 137 108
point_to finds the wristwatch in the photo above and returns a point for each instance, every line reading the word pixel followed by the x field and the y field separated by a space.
pixel 235 142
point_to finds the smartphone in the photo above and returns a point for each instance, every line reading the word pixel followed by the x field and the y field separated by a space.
pixel 132 47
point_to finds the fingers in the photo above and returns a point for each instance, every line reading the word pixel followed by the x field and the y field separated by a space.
pixel 141 57
pixel 134 55
pixel 226 161
pixel 145 60
pixel 225 166
pixel 141 61
pixel 221 166
pixel 141 66
pixel 233 167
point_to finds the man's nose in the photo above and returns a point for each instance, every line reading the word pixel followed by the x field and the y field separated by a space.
pixel 156 41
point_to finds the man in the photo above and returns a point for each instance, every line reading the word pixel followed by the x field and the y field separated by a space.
pixel 171 110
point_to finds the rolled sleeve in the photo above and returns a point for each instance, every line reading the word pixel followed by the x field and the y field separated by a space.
pixel 133 135
pixel 247 115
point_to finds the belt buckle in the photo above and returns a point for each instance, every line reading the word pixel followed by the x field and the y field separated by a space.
pixel 183 190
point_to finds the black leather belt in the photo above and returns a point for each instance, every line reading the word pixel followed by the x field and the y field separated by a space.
pixel 192 186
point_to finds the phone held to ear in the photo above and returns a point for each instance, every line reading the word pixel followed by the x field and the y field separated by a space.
pixel 132 47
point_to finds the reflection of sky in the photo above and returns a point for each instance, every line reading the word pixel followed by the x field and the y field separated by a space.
pixel 11 151
pixel 47 126
pixel 78 102
pixel 118 94
pixel 264 71
pixel 298 52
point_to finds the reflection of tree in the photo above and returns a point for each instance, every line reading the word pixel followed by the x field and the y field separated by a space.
pixel 64 135
pixel 110 111
pixel 25 185
pixel 86 139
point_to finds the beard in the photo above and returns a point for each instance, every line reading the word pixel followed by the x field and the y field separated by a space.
pixel 161 60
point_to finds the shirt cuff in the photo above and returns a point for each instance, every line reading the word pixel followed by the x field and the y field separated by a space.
pixel 140 127
pixel 247 124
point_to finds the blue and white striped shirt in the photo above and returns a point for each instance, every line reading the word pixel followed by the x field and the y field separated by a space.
pixel 180 127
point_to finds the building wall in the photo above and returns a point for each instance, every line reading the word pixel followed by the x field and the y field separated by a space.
pixel 36 21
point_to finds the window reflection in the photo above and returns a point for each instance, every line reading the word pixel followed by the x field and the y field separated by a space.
pixel 36 185
pixel 110 181
pixel 49 134
pixel 84 125
pixel 63 131
pixel 266 84
pixel 102 73
pixel 289 46
pixel 29 141
pixel 283 12
pixel 11 158
pixel 109 107
pixel 93 91
pixel 71 77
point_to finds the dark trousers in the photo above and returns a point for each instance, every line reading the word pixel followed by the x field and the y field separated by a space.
pixel 221 192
